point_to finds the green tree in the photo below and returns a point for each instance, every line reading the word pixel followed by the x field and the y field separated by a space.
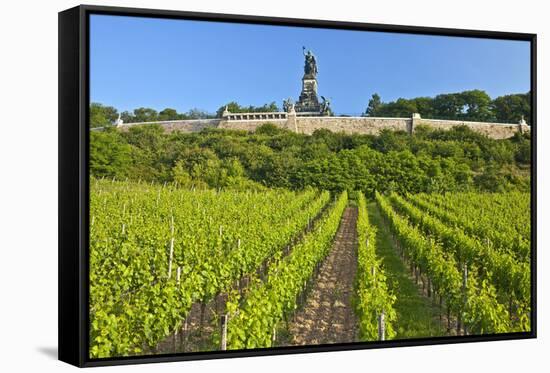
pixel 102 116
pixel 168 114
pixel 198 114
pixel 268 129
pixel 234 107
pixel 523 148
pixel 472 105
pixel 374 105
pixel 180 174
pixel 143 114
pixel 432 160
pixel 127 117
pixel 477 106
pixel 110 156
pixel 399 108
pixel 425 106
pixel 269 108
pixel 448 106
pixel 510 108
pixel 389 140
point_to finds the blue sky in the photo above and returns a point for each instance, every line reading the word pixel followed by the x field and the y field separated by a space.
pixel 181 64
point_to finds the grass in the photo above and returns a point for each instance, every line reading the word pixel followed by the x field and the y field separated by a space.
pixel 416 316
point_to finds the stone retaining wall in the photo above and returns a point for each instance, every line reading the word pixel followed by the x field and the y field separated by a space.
pixel 359 125
pixel 190 125
pixel 492 130
pixel 252 124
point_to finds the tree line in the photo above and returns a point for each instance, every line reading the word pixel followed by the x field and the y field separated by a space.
pixel 429 161
pixel 103 115
pixel 474 105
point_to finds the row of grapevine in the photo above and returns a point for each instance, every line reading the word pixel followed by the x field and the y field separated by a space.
pixel 155 251
pixel 510 278
pixel 254 319
pixel 471 299
pixel 374 300
pixel 511 242
pixel 504 212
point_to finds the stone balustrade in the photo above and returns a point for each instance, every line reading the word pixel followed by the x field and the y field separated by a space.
pixel 254 116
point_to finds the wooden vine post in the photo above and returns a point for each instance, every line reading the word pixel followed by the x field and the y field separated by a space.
pixel 223 331
pixel 274 336
pixel 381 327
pixel 171 248
pixel 175 341
pixel 465 291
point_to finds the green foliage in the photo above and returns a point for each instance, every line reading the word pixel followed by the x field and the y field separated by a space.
pixel 477 106
pixel 201 168
pixel 435 251
pixel 234 107
pixel 430 161
pixel 109 155
pixel 523 151
pixel 474 105
pixel 145 115
pixel 504 268
pixel 102 116
pixel 373 296
pixel 511 108
pixel 167 114
pixel 477 214
pixel 196 113
pixel 142 235
pixel 268 303
pixel 416 314
pixel 269 130
pixel 374 105
pixel 151 115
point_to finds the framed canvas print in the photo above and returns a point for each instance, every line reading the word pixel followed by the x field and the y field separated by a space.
pixel 236 185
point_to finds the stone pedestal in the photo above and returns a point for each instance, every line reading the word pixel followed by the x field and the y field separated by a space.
pixel 308 101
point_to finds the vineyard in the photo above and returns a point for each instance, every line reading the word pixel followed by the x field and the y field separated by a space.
pixel 181 270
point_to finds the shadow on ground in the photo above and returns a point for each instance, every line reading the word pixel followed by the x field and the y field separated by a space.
pixel 50 352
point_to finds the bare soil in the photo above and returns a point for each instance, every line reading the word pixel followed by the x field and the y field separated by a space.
pixel 197 333
pixel 327 315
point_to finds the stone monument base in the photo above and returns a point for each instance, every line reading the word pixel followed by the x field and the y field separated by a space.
pixel 308 101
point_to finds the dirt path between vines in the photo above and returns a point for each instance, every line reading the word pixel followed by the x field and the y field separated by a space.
pixel 328 316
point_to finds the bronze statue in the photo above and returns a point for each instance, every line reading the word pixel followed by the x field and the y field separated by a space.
pixel 310 67
pixel 325 106
pixel 288 105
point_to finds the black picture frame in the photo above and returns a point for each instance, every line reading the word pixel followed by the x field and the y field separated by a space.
pixel 74 181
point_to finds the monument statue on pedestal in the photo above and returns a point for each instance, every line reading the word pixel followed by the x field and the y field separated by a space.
pixel 310 67
pixel 308 101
